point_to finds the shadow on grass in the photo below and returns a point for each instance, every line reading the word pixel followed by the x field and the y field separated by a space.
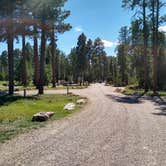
pixel 8 99
pixel 3 93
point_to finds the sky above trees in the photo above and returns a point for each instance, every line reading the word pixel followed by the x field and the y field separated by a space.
pixel 102 18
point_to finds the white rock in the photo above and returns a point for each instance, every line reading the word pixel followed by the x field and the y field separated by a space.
pixel 69 106
pixel 81 101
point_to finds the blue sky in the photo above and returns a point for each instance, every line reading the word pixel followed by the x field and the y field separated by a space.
pixel 96 18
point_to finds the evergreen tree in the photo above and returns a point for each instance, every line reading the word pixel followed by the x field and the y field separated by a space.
pixel 81 57
pixel 3 66
pixel 122 55
pixel 49 15
pixel 73 64
pixel 142 5
pixel 98 55
pixel 7 9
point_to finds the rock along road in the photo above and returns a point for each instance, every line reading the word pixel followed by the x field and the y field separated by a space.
pixel 112 130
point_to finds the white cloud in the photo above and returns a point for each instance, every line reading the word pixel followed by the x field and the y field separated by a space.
pixel 109 43
pixel 162 28
pixel 78 29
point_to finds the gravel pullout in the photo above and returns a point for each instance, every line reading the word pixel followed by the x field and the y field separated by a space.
pixel 112 130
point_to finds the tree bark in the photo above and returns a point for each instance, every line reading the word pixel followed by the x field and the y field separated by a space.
pixel 155 19
pixel 145 36
pixel 24 73
pixel 56 67
pixel 10 64
pixel 53 59
pixel 42 61
pixel 36 59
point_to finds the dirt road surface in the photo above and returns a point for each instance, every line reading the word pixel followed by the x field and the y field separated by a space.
pixel 112 130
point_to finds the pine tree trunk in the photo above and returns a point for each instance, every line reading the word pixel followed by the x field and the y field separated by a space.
pixel 145 32
pixel 56 67
pixel 155 42
pixel 10 64
pixel 42 60
pixel 36 59
pixel 24 73
pixel 53 59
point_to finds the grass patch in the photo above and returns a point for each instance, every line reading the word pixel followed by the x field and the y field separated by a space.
pixel 135 90
pixel 16 112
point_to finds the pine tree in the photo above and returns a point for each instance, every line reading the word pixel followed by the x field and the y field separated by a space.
pixel 81 57
pixel 142 4
pixel 7 8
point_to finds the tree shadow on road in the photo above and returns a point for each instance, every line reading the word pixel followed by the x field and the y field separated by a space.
pixel 162 111
pixel 161 103
pixel 137 99
pixel 128 99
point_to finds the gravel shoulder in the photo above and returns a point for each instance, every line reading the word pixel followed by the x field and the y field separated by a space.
pixel 112 130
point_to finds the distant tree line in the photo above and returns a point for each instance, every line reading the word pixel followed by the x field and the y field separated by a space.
pixel 87 62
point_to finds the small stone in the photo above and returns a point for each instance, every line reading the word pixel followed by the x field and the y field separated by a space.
pixel 81 101
pixel 69 106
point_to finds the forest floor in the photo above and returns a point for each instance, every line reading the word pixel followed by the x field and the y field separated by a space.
pixel 112 130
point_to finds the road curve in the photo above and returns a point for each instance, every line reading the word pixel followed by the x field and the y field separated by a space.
pixel 112 130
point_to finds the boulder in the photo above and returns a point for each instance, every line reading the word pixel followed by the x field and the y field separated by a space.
pixel 81 101
pixel 69 106
pixel 42 116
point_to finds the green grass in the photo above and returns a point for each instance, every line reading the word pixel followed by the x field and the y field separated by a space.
pixel 135 90
pixel 16 112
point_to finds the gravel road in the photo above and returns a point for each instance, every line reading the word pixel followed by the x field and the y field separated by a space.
pixel 112 130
